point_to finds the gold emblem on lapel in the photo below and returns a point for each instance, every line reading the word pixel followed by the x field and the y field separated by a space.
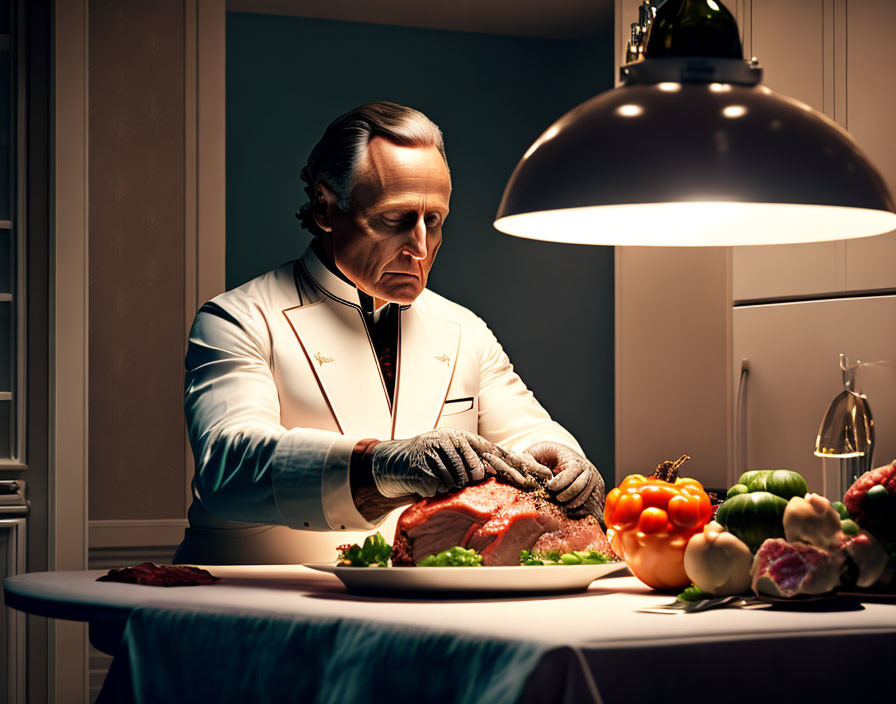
pixel 321 360
pixel 444 358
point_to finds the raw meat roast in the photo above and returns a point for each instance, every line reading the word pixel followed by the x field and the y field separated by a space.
pixel 495 519
pixel 785 569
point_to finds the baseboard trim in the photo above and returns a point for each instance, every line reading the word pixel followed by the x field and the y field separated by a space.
pixel 158 533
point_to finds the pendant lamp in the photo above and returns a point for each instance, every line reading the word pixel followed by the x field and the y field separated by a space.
pixel 692 150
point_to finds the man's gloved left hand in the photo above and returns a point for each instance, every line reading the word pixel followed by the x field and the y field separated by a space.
pixel 577 484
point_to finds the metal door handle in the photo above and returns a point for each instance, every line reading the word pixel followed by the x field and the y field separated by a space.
pixel 740 440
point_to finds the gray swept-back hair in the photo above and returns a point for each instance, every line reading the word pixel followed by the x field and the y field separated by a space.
pixel 335 158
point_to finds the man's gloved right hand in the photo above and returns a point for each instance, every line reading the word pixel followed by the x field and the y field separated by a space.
pixel 441 460
pixel 427 464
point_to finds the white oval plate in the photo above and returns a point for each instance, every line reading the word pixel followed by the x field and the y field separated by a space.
pixel 453 580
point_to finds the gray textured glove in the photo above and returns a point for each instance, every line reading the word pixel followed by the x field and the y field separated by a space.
pixel 517 468
pixel 444 459
pixel 429 463
pixel 577 484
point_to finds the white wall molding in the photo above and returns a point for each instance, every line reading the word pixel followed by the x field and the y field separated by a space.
pixel 205 24
pixel 191 219
pixel 69 360
pixel 211 31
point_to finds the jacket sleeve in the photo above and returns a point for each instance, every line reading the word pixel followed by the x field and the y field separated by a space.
pixel 248 466
pixel 509 414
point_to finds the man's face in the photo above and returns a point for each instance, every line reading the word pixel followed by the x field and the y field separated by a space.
pixel 388 241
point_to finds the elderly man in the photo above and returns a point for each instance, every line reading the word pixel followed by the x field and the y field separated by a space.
pixel 335 388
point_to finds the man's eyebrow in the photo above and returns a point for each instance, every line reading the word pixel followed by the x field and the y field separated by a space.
pixel 399 204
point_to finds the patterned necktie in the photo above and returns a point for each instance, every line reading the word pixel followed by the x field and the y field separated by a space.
pixel 384 334
pixel 385 342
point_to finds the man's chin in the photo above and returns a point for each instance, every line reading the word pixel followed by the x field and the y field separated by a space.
pixel 403 295
pixel 403 299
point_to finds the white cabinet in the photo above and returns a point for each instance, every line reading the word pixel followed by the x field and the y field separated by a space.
pixel 835 56
pixel 794 351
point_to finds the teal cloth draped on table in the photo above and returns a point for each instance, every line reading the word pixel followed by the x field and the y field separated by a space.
pixel 196 656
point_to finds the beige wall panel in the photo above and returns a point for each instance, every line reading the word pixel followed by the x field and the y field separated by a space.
pixel 794 351
pixel 870 106
pixel 673 312
pixel 137 224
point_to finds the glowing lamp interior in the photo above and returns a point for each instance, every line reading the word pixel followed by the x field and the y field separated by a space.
pixel 698 224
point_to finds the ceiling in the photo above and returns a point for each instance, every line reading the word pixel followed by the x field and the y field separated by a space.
pixel 560 19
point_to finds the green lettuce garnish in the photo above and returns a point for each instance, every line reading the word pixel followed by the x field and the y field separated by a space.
pixel 555 557
pixel 694 593
pixel 375 551
pixel 453 557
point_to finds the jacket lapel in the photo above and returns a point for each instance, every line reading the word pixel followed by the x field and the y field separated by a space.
pixel 427 355
pixel 335 342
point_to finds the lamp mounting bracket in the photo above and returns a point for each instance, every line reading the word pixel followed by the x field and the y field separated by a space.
pixel 692 70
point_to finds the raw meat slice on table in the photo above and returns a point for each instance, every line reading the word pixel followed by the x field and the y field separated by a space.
pixel 785 569
pixel 160 575
pixel 497 520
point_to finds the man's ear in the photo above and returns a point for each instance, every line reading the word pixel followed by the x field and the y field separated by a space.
pixel 324 206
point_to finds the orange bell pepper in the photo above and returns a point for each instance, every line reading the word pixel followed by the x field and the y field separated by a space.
pixel 650 520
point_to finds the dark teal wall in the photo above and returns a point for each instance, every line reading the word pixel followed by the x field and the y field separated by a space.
pixel 550 305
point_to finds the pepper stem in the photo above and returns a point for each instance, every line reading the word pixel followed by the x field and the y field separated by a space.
pixel 668 470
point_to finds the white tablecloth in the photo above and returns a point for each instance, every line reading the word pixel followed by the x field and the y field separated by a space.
pixel 825 650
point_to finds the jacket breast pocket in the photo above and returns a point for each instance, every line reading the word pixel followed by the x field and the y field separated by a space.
pixel 458 405
pixel 460 413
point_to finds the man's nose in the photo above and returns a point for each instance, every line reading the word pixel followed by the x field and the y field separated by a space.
pixel 415 247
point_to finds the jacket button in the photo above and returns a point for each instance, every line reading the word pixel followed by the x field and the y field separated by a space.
pixel 307 524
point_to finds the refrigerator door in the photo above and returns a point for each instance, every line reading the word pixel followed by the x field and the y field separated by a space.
pixel 793 351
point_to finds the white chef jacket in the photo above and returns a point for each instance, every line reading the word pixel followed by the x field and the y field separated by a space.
pixel 282 381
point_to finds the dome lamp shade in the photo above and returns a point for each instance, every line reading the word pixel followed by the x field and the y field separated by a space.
pixel 692 150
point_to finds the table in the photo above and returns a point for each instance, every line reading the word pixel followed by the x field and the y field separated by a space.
pixel 592 646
